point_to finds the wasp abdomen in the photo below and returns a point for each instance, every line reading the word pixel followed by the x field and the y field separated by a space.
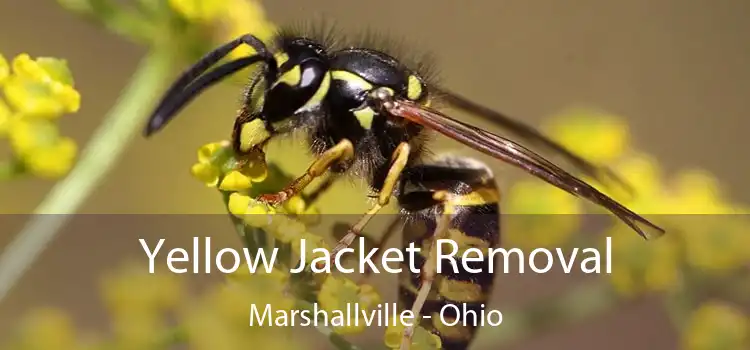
pixel 462 288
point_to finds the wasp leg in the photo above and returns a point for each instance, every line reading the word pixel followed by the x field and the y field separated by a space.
pixel 429 272
pixel 400 158
pixel 341 152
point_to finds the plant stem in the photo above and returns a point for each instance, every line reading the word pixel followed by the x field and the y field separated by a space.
pixel 96 161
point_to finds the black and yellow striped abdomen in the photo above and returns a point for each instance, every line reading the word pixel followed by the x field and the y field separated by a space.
pixel 472 204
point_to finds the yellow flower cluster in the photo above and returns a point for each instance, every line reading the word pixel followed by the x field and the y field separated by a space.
pixel 36 93
pixel 541 216
pixel 702 232
pixel 153 311
pixel 716 325
pixel 137 303
pixel 47 328
pixel 234 18
pixel 220 320
pixel 217 167
pixel 643 266
pixel 336 293
pixel 422 339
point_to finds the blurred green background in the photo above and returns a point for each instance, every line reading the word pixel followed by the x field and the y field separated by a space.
pixel 676 71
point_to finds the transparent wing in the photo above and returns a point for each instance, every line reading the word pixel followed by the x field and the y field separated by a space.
pixel 513 153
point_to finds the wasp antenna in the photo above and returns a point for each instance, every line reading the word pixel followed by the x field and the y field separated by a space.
pixel 169 107
pixel 186 87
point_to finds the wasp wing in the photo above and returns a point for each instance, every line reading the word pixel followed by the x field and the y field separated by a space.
pixel 513 153
pixel 530 134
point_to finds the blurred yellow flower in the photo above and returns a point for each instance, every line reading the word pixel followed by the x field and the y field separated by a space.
pixel 640 266
pixel 597 136
pixel 47 328
pixel 38 144
pixel 542 215
pixel 6 116
pixel 286 229
pixel 41 88
pixel 715 325
pixel 697 192
pixel 716 242
pixel 338 292
pixel 53 161
pixel 132 289
pixel 246 16
pixel 312 242
pixel 199 10
pixel 422 339
pixel 219 320
pixel 4 69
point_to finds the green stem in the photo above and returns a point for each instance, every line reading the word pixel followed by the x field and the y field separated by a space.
pixel 96 161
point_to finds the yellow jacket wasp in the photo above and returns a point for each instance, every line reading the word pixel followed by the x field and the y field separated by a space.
pixel 367 114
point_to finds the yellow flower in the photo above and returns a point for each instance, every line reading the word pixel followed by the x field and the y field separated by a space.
pixel 716 242
pixel 244 17
pixel 235 181
pixel 337 292
pixel 199 10
pixel 215 161
pixel 6 116
pixel 286 229
pixel 41 88
pixel 205 173
pixel 4 69
pixel 543 215
pixel 238 204
pixel 132 290
pixel 295 205
pixel 41 148
pixel 597 136
pixel 48 329
pixel 54 161
pixel 207 152
pixel 219 320
pixel 312 242
pixel 715 325
pixel 698 192
pixel 422 339
pixel 640 266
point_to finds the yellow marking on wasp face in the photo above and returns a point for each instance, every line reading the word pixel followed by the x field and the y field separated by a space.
pixel 365 117
pixel 352 78
pixel 258 97
pixel 281 58
pixel 478 197
pixel 460 291
pixel 414 88
pixel 320 94
pixel 291 77
pixel 253 134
